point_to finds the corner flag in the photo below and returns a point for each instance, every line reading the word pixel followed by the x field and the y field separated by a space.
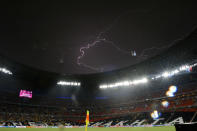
pixel 87 120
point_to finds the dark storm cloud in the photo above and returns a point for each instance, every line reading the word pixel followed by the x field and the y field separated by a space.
pixel 48 35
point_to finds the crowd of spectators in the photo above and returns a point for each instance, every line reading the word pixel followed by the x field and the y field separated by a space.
pixel 25 111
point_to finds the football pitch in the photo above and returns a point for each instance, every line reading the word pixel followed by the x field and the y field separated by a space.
pixel 169 128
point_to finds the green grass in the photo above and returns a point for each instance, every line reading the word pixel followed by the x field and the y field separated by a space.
pixel 171 128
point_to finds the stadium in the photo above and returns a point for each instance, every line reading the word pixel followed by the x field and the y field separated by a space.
pixel 156 94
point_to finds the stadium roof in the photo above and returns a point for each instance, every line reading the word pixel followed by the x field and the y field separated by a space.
pixel 183 52
pixel 91 37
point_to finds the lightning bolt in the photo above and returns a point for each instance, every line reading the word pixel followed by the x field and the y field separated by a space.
pixel 82 54
pixel 88 46
pixel 143 55
pixel 99 39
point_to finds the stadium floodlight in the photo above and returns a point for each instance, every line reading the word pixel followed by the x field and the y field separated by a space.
pixel 155 114
pixel 169 94
pixel 195 64
pixel 110 86
pixel 130 82
pixel 176 71
pixel 173 89
pixel 157 76
pixel 120 84
pixel 166 74
pixel 124 83
pixel 103 86
pixel 117 84
pixel 135 82
pixel 66 83
pixel 183 68
pixel 144 80
pixel 165 104
pixel 6 71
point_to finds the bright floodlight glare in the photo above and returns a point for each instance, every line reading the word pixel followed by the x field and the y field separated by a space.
pixel 166 74
pixel 155 114
pixel 173 89
pixel 176 71
pixel 103 86
pixel 6 71
pixel 185 67
pixel 124 83
pixel 65 83
pixel 144 80
pixel 169 94
pixel 158 76
pixel 165 104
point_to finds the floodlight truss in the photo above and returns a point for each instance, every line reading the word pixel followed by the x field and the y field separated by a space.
pixel 69 83
pixel 143 80
pixel 6 71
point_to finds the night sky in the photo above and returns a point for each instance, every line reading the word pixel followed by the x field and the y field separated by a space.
pixel 49 35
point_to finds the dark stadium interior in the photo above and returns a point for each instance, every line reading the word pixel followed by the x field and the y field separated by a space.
pixel 158 90
pixel 69 104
